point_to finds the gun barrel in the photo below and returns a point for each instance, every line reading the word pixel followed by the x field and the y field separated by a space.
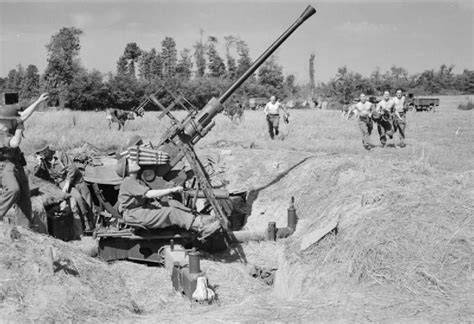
pixel 214 106
pixel 309 11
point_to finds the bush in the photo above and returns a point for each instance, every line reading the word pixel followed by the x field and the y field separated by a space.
pixel 469 105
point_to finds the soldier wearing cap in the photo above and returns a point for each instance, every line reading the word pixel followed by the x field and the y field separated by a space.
pixel 399 116
pixel 58 167
pixel 15 188
pixel 138 205
pixel 384 111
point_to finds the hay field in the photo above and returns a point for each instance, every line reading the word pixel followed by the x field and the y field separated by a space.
pixel 403 250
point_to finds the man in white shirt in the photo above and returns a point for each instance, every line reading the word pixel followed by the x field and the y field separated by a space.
pixel 399 116
pixel 272 111
pixel 384 110
pixel 364 109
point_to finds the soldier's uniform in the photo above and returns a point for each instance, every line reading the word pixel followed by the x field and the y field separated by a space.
pixel 272 111
pixel 365 122
pixel 136 208
pixel 400 118
pixel 59 168
pixel 384 122
pixel 14 182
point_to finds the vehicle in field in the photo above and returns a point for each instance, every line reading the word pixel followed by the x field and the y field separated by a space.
pixel 258 103
pixel 421 103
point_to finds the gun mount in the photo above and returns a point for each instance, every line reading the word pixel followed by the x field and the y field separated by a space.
pixel 179 140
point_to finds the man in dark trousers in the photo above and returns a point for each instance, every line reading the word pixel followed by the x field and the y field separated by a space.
pixel 14 182
pixel 272 112
pixel 384 111
pixel 399 116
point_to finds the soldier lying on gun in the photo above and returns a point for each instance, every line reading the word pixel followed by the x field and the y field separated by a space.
pixel 139 204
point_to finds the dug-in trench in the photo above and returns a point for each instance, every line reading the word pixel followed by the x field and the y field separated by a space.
pixel 355 272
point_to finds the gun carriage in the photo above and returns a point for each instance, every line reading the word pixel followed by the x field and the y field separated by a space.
pixel 169 246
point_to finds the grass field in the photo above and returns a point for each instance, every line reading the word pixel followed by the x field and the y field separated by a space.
pixel 403 250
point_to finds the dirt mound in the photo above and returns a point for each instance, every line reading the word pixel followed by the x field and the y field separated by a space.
pixel 403 242
pixel 402 250
pixel 44 279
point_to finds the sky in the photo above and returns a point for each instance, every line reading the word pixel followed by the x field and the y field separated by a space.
pixel 362 35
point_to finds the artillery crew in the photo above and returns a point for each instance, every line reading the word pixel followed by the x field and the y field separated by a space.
pixel 15 187
pixel 383 118
pixel 272 112
pixel 399 116
pixel 139 205
pixel 364 109
pixel 58 167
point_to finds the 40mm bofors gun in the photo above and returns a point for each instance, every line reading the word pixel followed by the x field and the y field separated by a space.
pixel 178 141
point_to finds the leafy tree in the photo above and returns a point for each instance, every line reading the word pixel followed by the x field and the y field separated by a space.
pixel 200 90
pixel 216 64
pixel 465 81
pixel 271 74
pixel 169 56
pixel 230 42
pixel 428 82
pixel 88 92
pixel 31 82
pixel 445 76
pixel 347 86
pixel 290 87
pixel 244 61
pixel 122 66
pixel 132 52
pixel 145 66
pixel 185 64
pixel 11 80
pixel 63 61
pixel 199 51
pixel 125 92
pixel 156 66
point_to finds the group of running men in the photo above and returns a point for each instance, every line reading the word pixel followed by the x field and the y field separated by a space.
pixel 389 114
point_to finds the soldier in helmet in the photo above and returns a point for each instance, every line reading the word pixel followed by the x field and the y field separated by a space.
pixel 14 182
pixel 384 111
pixel 138 205
pixel 58 167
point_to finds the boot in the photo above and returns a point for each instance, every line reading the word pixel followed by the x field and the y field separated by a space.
pixel 205 227
pixel 209 230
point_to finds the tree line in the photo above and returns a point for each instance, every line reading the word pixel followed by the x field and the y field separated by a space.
pixel 200 73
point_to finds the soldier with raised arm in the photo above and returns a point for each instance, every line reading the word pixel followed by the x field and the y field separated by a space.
pixel 399 116
pixel 364 109
pixel 15 188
